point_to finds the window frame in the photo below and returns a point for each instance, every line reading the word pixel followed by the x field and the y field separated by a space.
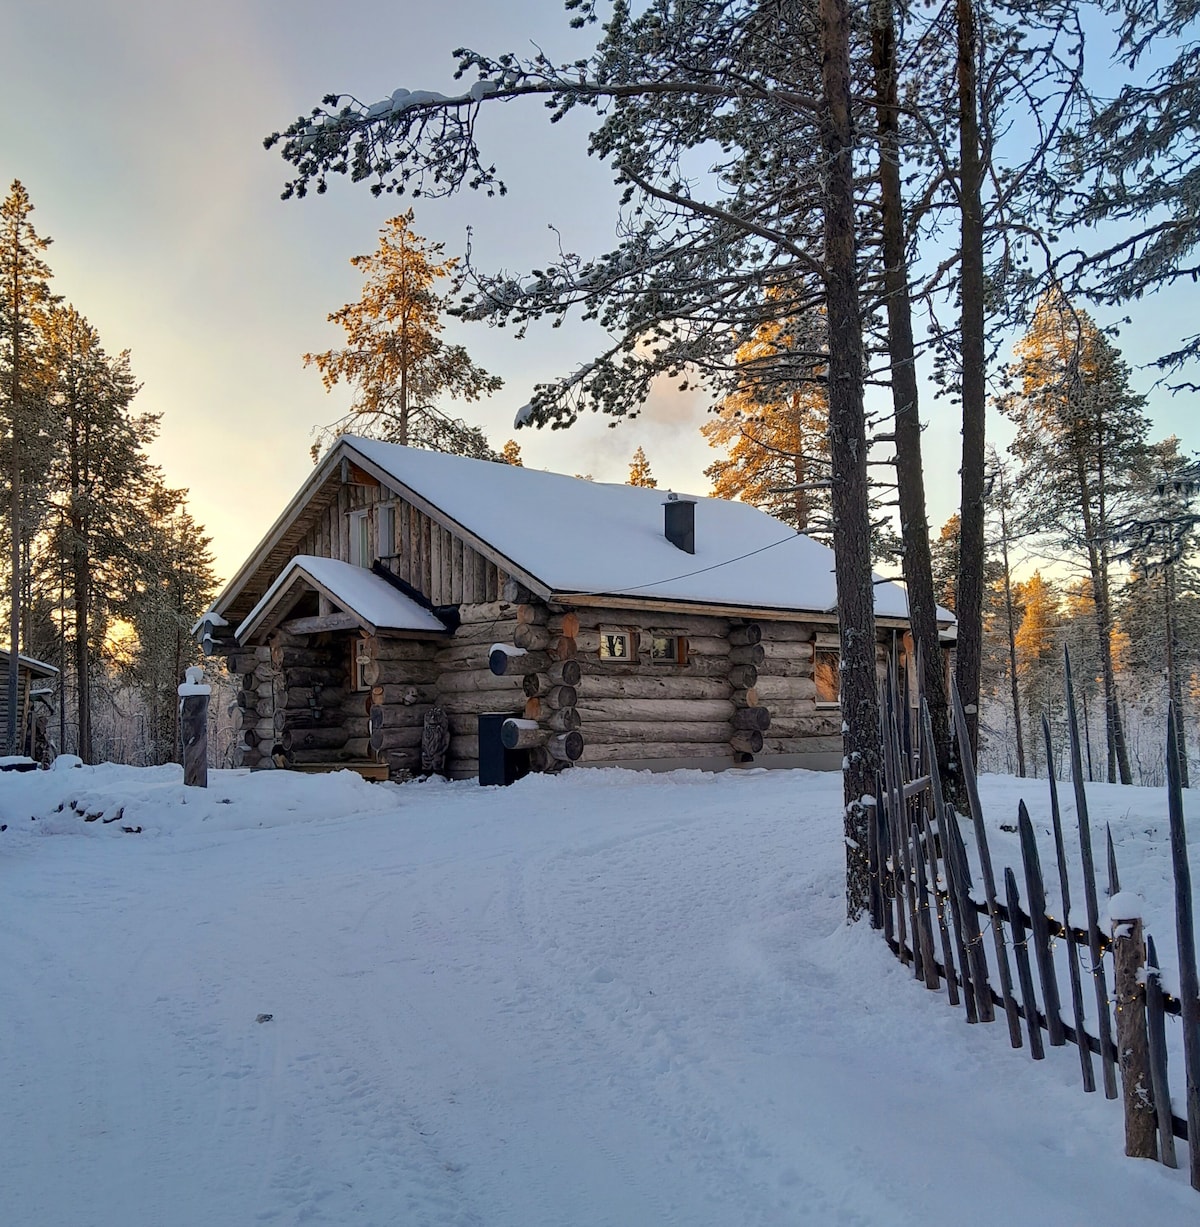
pixel 360 535
pixel 630 656
pixel 385 544
pixel 359 657
pixel 679 651
pixel 834 651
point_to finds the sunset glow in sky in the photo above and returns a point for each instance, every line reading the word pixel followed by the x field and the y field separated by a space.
pixel 137 126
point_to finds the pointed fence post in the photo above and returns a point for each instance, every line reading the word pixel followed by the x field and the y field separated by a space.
pixel 1064 886
pixel 193 727
pixel 1156 1028
pixel 1185 935
pixel 1088 866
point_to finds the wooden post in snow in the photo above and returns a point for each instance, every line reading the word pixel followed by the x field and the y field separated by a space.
pixel 1133 1045
pixel 193 727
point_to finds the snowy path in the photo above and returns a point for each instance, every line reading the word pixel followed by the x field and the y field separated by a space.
pixel 600 1000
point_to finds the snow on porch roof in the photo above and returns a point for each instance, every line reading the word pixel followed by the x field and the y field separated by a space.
pixel 372 601
pixel 577 536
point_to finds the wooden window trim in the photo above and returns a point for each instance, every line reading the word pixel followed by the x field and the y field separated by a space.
pixel 631 646
pixel 680 655
pixel 835 652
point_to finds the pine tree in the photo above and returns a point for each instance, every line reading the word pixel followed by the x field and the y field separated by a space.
pixel 510 453
pixel 1081 442
pixel 24 298
pixel 774 428
pixel 97 479
pixel 394 356
pixel 176 584
pixel 639 471
pixel 1038 651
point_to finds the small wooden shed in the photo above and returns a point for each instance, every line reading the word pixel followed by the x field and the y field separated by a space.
pixel 611 624
pixel 36 704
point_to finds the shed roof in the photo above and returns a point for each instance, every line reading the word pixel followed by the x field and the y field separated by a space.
pixel 373 603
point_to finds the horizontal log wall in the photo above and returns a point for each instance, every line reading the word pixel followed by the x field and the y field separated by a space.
pixel 637 710
pixel 466 687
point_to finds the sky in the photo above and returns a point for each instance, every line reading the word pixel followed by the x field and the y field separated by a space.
pixel 137 127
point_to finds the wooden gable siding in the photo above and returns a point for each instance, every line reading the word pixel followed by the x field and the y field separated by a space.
pixel 423 553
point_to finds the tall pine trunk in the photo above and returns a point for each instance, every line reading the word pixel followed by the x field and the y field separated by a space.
pixel 1012 629
pixel 848 454
pixel 910 477
pixel 969 592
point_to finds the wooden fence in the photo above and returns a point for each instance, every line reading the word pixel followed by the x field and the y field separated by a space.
pixel 966 938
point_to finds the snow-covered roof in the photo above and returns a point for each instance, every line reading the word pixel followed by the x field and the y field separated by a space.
pixel 572 538
pixel 371 600
pixel 39 668
pixel 578 536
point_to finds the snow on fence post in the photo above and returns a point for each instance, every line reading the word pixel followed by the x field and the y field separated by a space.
pixel 1133 1045
pixel 193 727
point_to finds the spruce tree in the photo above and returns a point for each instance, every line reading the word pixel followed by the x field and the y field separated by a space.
pixel 639 471
pixel 24 299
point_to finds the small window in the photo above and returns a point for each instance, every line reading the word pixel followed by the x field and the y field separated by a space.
pixel 615 645
pixel 826 674
pixel 668 650
pixel 387 530
pixel 362 659
pixel 360 539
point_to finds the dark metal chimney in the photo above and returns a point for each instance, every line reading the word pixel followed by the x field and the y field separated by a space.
pixel 679 523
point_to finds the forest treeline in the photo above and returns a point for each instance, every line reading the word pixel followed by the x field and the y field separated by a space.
pixel 107 570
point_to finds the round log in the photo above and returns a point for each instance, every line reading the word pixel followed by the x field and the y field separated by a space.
pixel 645 751
pixel 313 739
pixel 533 708
pixel 396 739
pixel 750 655
pixel 566 747
pixel 635 732
pixel 660 711
pixel 284 657
pixel 560 696
pixel 601 682
pixel 748 741
pixel 532 615
pixel 533 638
pixel 743 636
pixel 472 682
pixel 506 661
pixel 743 676
pixel 488 611
pixel 326 699
pixel 521 734
pixel 402 695
pixel 565 648
pixel 312 676
pixel 247 700
pixel 397 672
pixel 752 718
pixel 379 648
pixel 513 591
pixel 563 720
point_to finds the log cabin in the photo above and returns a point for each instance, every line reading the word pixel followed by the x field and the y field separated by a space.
pixel 546 619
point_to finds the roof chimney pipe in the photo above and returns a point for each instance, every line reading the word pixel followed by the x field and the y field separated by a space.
pixel 679 523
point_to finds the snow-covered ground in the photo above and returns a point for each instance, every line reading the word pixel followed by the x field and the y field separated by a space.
pixel 603 998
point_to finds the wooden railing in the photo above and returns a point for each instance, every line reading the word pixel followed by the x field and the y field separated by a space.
pixel 935 904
